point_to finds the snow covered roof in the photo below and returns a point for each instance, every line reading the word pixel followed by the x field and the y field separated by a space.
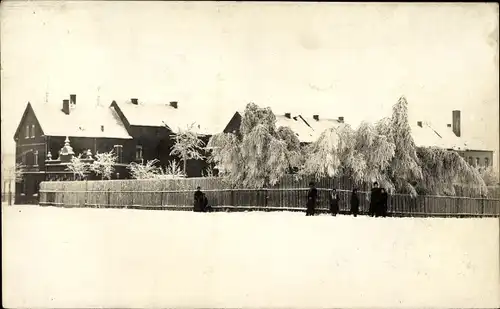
pixel 82 121
pixel 304 133
pixel 451 141
pixel 159 115
pixel 320 125
pixel 295 123
pixel 307 129
pixel 427 136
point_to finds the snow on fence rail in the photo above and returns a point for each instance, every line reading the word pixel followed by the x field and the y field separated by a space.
pixel 178 194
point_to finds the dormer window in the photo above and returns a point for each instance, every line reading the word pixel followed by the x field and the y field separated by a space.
pixel 27 132
pixel 32 131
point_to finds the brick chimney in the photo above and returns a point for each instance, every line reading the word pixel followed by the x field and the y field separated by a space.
pixel 288 115
pixel 448 125
pixel 419 123
pixel 456 123
pixel 173 104
pixel 316 117
pixel 65 107
pixel 134 101
pixel 341 119
pixel 72 99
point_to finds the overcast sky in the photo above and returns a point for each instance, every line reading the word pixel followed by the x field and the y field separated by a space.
pixel 350 60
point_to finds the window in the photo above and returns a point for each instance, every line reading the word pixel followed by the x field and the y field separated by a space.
pixel 32 131
pixel 487 162
pixel 477 161
pixel 27 135
pixel 35 159
pixel 118 149
pixel 23 158
pixel 138 152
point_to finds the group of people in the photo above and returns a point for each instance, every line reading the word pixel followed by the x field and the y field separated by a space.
pixel 378 201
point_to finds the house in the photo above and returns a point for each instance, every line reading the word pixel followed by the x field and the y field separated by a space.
pixel 43 130
pixel 48 135
pixel 450 137
pixel 153 125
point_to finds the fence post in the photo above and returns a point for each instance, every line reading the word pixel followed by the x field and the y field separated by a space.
pixel 109 196
pixel 231 201
pixel 265 197
pixel 86 193
pixel 482 207
pixel 9 195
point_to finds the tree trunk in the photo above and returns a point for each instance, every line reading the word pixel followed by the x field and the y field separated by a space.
pixel 185 165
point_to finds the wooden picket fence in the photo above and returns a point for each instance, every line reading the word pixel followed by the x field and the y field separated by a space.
pixel 178 194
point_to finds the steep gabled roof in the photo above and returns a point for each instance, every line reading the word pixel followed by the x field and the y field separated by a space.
pixel 161 115
pixel 427 136
pixel 28 109
pixel 82 121
pixel 320 125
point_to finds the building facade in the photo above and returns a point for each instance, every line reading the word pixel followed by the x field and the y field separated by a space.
pixel 49 135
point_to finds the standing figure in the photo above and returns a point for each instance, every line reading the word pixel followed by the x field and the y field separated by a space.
pixel 206 207
pixel 312 196
pixel 198 200
pixel 374 200
pixel 334 202
pixel 383 202
pixel 354 202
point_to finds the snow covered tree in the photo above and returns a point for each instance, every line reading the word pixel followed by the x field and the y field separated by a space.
pixel 209 172
pixel 226 156
pixel 261 156
pixel 188 145
pixel 373 154
pixel 326 157
pixel 173 169
pixel 78 167
pixel 489 175
pixel 104 164
pixel 443 169
pixel 144 171
pixel 362 154
pixel 404 170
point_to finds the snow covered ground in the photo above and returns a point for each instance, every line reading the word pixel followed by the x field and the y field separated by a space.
pixel 56 257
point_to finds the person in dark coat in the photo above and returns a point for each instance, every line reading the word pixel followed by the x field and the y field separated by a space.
pixel 374 200
pixel 334 202
pixel 383 202
pixel 354 202
pixel 198 200
pixel 206 207
pixel 312 196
